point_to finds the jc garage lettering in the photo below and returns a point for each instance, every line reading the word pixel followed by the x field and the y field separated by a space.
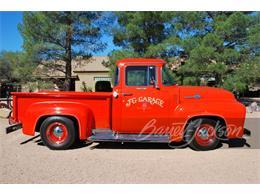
pixel 150 100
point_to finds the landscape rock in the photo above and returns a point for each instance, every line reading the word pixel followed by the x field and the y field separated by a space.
pixel 4 112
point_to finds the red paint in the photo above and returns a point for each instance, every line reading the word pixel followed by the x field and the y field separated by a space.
pixel 170 106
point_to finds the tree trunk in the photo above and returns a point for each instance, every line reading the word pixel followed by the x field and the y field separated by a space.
pixel 68 54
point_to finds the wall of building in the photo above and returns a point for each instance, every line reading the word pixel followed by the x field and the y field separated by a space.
pixel 90 79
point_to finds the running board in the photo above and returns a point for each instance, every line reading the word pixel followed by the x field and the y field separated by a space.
pixel 107 135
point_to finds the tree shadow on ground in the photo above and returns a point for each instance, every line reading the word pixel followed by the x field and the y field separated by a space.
pixel 78 144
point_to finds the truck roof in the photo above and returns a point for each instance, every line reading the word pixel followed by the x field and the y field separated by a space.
pixel 139 61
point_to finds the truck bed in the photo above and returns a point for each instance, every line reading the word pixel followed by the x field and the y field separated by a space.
pixel 98 102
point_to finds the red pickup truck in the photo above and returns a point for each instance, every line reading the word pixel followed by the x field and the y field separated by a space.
pixel 144 105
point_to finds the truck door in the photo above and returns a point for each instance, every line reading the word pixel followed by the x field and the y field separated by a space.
pixel 144 107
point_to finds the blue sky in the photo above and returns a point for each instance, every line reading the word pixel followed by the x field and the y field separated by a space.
pixel 11 40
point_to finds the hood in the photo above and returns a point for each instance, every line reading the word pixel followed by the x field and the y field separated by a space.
pixel 205 93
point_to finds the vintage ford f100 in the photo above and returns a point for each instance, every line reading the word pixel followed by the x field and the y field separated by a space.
pixel 144 105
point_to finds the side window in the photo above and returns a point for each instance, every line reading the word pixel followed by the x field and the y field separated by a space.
pixel 140 75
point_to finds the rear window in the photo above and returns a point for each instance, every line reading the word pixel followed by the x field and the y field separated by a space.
pixel 116 77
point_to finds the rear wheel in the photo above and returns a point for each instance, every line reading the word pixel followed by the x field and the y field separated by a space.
pixel 201 134
pixel 57 132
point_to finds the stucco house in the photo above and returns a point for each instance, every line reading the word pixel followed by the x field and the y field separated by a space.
pixel 90 72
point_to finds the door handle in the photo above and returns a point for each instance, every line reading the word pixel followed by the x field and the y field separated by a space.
pixel 127 94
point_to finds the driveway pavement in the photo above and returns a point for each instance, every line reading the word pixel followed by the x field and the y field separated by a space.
pixel 26 160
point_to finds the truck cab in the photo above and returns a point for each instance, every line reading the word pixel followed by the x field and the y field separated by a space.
pixel 144 90
pixel 145 105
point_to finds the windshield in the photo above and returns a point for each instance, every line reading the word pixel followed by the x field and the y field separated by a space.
pixel 167 78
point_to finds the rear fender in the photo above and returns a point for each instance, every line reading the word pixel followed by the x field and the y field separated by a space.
pixel 79 111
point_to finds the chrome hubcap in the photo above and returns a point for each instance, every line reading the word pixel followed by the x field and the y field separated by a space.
pixel 203 133
pixel 57 131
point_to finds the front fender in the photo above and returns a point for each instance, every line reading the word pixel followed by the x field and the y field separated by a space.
pixel 82 113
pixel 233 114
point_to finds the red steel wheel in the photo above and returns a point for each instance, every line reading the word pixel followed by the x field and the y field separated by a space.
pixel 57 133
pixel 205 134
pixel 201 134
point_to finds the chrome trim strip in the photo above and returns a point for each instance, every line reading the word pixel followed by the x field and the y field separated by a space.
pixel 196 96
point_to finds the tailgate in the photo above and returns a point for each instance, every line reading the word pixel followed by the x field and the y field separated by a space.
pixel 14 123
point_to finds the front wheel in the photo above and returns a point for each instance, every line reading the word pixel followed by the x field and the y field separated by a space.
pixel 57 132
pixel 201 134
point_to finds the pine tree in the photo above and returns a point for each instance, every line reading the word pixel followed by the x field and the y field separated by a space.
pixel 223 46
pixel 54 37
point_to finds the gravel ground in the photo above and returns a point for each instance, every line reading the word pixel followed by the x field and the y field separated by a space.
pixel 28 161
